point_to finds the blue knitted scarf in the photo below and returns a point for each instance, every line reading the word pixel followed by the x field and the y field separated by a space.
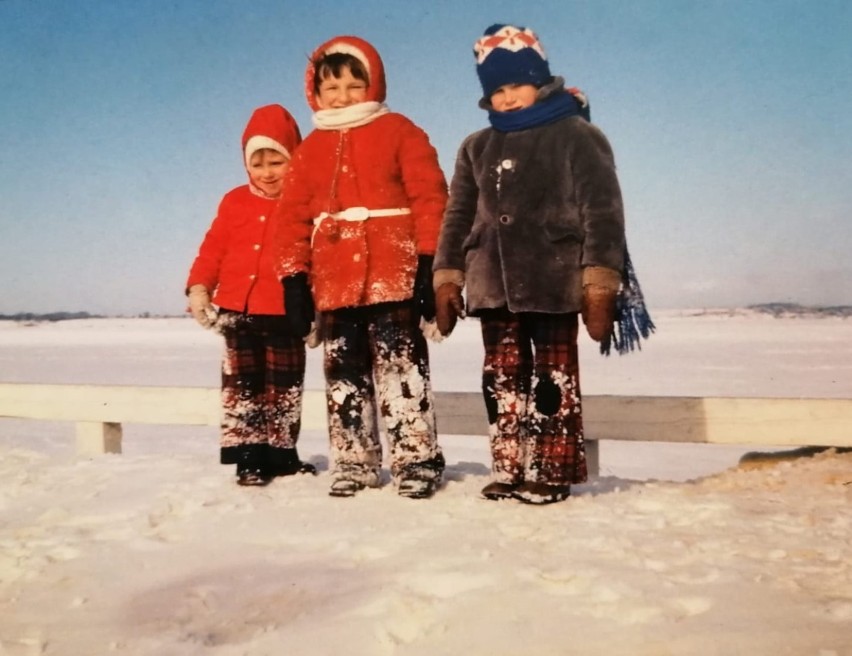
pixel 550 109
pixel 632 319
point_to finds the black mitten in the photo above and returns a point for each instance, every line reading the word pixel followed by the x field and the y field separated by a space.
pixel 424 294
pixel 298 303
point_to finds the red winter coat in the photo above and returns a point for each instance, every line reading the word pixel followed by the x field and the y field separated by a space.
pixel 236 258
pixel 387 163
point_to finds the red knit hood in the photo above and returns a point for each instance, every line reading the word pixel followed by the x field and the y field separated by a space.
pixel 357 47
pixel 270 126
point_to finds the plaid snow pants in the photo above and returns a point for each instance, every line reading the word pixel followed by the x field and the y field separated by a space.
pixel 530 381
pixel 376 362
pixel 263 375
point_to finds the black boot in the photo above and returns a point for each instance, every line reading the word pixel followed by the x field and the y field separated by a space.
pixel 495 491
pixel 250 468
pixel 285 462
pixel 540 494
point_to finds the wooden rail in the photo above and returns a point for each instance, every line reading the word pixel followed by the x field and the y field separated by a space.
pixel 99 411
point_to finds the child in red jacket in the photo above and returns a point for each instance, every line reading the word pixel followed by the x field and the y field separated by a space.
pixel 263 367
pixel 356 229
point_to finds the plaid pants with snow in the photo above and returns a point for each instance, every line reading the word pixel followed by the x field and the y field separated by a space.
pixel 376 362
pixel 263 374
pixel 531 385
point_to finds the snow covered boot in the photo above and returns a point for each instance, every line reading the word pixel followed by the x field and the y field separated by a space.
pixel 417 488
pixel 345 488
pixel 541 493
pixel 496 491
pixel 420 480
pixel 349 479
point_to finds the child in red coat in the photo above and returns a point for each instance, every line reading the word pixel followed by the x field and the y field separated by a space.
pixel 263 367
pixel 357 227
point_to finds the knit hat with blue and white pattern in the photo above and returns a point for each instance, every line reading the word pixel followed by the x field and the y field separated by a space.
pixel 506 54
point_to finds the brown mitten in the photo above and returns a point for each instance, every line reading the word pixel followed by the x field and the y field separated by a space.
pixel 600 289
pixel 449 304
pixel 200 307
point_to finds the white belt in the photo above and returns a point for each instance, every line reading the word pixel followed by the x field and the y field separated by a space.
pixel 357 214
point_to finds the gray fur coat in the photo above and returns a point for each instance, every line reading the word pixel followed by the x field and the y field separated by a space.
pixel 528 210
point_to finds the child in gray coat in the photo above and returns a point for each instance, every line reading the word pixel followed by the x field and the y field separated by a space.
pixel 534 234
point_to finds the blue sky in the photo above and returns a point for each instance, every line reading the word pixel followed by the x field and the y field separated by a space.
pixel 120 123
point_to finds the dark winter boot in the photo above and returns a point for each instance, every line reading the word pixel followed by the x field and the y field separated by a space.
pixel 541 493
pixel 495 491
pixel 250 465
pixel 416 488
pixel 249 478
pixel 285 462
pixel 306 468
pixel 421 480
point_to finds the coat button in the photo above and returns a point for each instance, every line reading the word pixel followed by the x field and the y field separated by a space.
pixel 505 219
pixel 263 218
pixel 256 247
pixel 507 163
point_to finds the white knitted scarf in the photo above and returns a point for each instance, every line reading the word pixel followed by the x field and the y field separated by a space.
pixel 257 191
pixel 349 117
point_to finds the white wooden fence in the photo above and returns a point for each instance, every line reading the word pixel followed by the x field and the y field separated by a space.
pixel 99 411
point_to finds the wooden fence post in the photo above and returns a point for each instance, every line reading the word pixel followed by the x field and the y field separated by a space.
pixel 593 458
pixel 95 437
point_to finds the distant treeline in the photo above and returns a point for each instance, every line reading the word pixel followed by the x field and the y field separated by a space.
pixel 775 309
pixel 49 316
pixel 31 317
pixel 796 310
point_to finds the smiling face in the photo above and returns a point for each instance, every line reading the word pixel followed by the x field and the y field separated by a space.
pixel 266 171
pixel 512 97
pixel 343 90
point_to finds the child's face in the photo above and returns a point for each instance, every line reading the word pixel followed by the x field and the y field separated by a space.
pixel 266 171
pixel 512 97
pixel 343 91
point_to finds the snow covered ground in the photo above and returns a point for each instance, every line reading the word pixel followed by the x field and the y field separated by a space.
pixel 673 550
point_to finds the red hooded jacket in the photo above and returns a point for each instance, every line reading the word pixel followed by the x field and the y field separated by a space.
pixel 386 164
pixel 236 260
